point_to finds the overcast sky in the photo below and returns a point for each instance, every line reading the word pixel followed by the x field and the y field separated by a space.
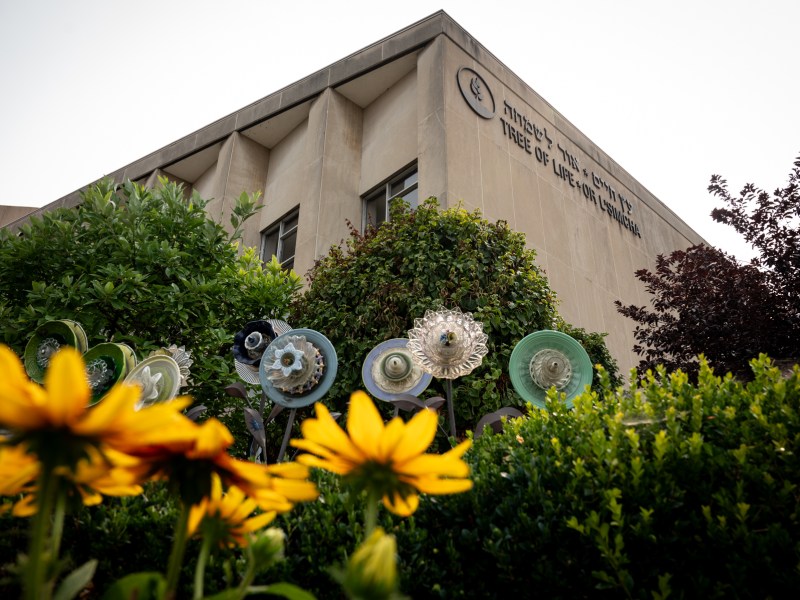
pixel 673 91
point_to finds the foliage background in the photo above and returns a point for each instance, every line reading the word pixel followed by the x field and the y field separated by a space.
pixel 374 287
pixel 146 267
pixel 705 302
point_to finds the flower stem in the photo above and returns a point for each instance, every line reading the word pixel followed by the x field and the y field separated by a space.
pixel 241 590
pixel 35 571
pixel 451 411
pixel 200 570
pixel 178 548
pixel 371 513
pixel 58 522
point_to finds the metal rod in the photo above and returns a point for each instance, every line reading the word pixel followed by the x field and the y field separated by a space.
pixel 287 435
pixel 451 411
pixel 261 412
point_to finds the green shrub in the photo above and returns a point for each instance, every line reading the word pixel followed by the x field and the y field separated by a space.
pixel 423 259
pixel 668 488
pixel 125 535
pixel 149 268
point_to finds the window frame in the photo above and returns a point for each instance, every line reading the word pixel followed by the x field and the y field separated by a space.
pixel 283 232
pixel 383 192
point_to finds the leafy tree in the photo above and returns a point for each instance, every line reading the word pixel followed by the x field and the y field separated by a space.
pixel 771 224
pixel 704 302
pixel 373 289
pixel 146 267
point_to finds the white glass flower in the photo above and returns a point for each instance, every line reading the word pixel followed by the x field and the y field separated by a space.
pixel 98 373
pixel 149 382
pixel 288 359
pixel 447 343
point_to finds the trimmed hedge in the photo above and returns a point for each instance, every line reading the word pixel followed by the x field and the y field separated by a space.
pixel 666 489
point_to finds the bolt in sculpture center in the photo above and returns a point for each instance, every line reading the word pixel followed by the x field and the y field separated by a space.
pixel 550 368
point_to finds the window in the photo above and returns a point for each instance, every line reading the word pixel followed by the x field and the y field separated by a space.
pixel 376 203
pixel 280 240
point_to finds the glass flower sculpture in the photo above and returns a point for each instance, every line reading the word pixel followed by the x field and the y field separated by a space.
pixel 180 355
pixel 149 384
pixel 251 342
pixel 447 343
pixel 295 365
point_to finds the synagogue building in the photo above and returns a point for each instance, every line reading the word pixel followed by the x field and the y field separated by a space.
pixel 428 111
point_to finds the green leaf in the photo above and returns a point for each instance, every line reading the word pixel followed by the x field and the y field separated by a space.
pixel 141 586
pixel 286 590
pixel 76 581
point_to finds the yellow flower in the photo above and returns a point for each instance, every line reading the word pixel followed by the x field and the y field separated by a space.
pixel 18 473
pixel 288 485
pixel 387 459
pixel 189 461
pixel 233 513
pixel 101 473
pixel 57 421
pixel 106 473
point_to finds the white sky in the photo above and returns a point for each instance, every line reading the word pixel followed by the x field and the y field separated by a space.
pixel 673 91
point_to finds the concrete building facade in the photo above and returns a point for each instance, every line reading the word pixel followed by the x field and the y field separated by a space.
pixel 425 112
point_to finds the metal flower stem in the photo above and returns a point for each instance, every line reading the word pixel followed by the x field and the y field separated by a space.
pixel 286 435
pixel 451 411
pixel 261 406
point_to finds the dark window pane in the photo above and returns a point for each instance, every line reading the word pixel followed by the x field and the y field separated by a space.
pixel 402 186
pixel 269 247
pixel 287 246
pixel 290 222
pixel 376 211
pixel 412 198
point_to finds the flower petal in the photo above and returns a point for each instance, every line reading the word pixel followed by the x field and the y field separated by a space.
pixel 67 387
pixel 434 464
pixel 400 506
pixel 417 436
pixel 334 465
pixel 196 514
pixel 213 439
pixel 324 431
pixel 364 424
pixel 392 434
pixel 434 485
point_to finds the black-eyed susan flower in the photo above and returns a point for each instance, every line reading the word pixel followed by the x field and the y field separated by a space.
pixel 58 426
pixel 105 473
pixel 100 473
pixel 230 519
pixel 190 461
pixel 18 473
pixel 388 461
pixel 231 515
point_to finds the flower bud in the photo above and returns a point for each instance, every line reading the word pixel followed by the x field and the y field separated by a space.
pixel 372 569
pixel 267 547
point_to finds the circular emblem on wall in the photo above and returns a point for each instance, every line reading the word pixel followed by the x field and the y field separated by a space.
pixel 476 92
